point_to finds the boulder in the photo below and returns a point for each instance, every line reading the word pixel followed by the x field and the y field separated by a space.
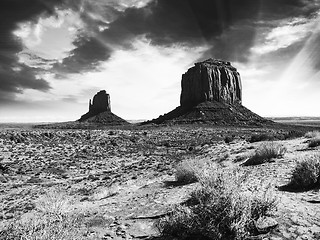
pixel 265 224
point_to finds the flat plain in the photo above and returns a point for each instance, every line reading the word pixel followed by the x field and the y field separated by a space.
pixel 120 182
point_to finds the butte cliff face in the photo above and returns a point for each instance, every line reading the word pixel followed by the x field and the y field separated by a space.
pixel 211 92
pixel 100 111
pixel 100 102
pixel 211 80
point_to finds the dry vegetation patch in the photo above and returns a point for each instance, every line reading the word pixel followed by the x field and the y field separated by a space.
pixel 52 219
pixel 190 170
pixel 312 134
pixel 218 209
pixel 261 137
pixel 314 142
pixel 306 174
pixel 314 137
pixel 265 153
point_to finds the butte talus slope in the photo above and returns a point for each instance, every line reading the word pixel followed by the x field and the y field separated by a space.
pixel 100 111
pixel 211 93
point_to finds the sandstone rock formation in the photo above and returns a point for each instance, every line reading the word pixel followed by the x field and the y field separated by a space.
pixel 100 111
pixel 211 80
pixel 211 93
pixel 100 103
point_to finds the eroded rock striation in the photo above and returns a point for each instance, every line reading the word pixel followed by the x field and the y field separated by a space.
pixel 211 80
pixel 100 111
pixel 211 92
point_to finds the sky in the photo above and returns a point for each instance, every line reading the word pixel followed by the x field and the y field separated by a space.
pixel 56 54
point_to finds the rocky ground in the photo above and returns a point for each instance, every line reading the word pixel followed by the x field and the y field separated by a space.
pixel 122 180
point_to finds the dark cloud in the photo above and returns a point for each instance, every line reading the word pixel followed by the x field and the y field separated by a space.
pixel 188 21
pixel 85 57
pixel 21 78
pixel 14 76
pixel 229 26
pixel 234 44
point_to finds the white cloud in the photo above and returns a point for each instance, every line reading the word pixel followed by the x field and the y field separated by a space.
pixel 29 33
pixel 49 38
pixel 289 31
pixel 143 82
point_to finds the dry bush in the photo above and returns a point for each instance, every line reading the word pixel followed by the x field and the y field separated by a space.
pixel 292 134
pixel 261 137
pixel 44 227
pixel 314 142
pixel 106 192
pixel 306 174
pixel 189 171
pixel 229 139
pixel 276 136
pixel 219 209
pixel 266 153
pixel 312 134
pixel 53 219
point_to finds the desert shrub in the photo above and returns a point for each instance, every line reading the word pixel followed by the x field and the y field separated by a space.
pixel 314 142
pixel 219 209
pixel 312 134
pixel 306 174
pixel 293 134
pixel 53 219
pixel 42 227
pixel 3 168
pixel 229 139
pixel 189 171
pixel 261 137
pixel 222 157
pixel 266 153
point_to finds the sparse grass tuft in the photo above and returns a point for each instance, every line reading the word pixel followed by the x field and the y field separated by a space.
pixel 229 139
pixel 189 171
pixel 53 219
pixel 43 227
pixel 266 153
pixel 261 137
pixel 314 142
pixel 276 136
pixel 219 209
pixel 293 134
pixel 306 174
pixel 312 134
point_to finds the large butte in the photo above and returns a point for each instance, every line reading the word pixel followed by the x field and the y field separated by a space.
pixel 211 92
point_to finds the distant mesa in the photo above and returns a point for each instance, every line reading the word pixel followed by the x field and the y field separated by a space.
pixel 211 92
pixel 100 111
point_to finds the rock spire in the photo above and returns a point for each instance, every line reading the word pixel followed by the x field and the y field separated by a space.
pixel 100 111
pixel 100 102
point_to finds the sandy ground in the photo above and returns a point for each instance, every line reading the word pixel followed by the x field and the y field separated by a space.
pixel 121 179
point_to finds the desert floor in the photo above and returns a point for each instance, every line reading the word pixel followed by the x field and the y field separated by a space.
pixel 122 181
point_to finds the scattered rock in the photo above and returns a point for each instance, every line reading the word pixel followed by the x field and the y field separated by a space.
pixel 265 224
